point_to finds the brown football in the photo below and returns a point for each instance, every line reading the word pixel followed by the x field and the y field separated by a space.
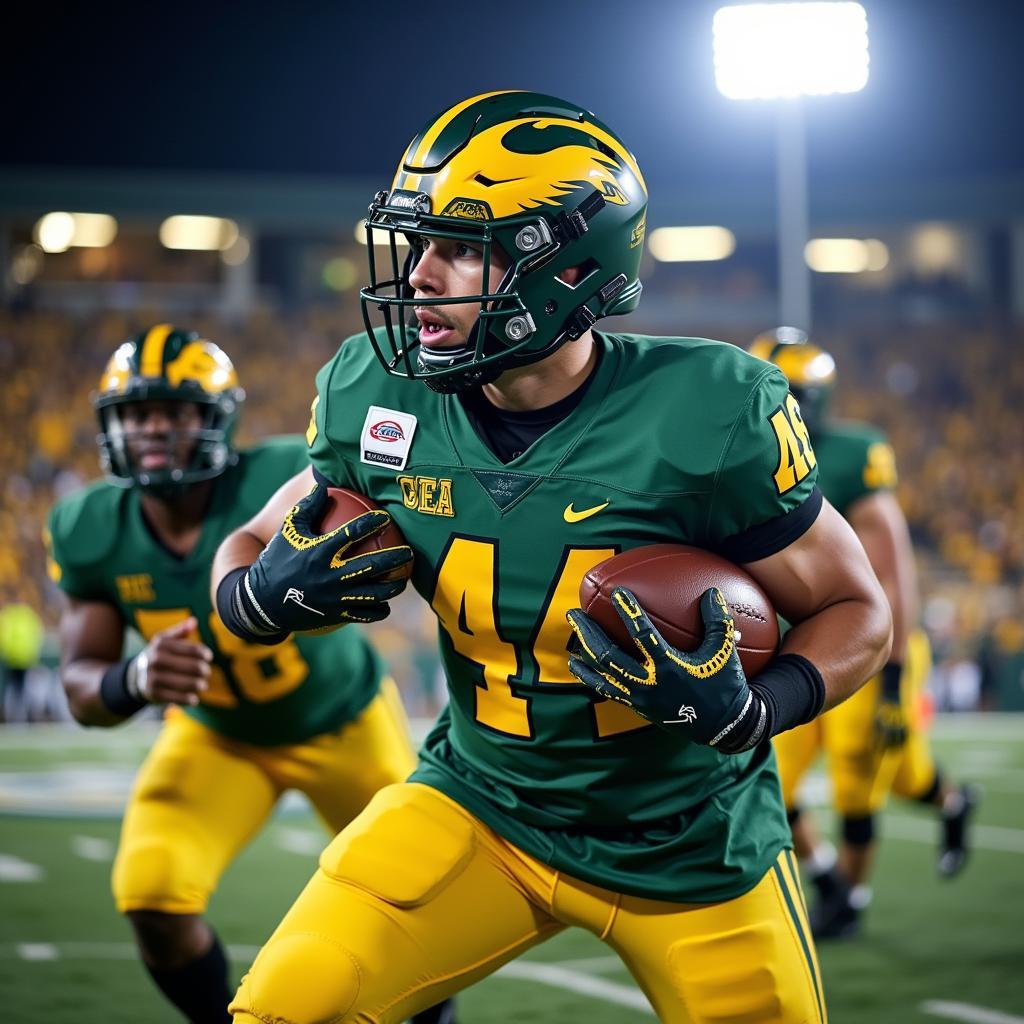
pixel 668 580
pixel 343 506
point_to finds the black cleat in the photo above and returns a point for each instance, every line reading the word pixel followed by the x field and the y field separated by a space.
pixel 833 916
pixel 954 849
pixel 828 883
pixel 443 1013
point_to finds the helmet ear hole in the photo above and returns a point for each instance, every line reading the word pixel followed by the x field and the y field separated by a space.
pixel 573 277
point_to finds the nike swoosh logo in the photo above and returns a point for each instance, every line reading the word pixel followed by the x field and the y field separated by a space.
pixel 572 516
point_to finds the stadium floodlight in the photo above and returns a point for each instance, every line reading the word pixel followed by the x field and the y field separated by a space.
pixel 59 231
pixel 785 51
pixel 204 234
pixel 846 255
pixel 772 51
pixel 691 244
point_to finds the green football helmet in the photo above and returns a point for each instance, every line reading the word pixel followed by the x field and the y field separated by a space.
pixel 546 182
pixel 811 371
pixel 165 364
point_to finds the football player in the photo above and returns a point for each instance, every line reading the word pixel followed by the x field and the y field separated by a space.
pixel 245 722
pixel 516 447
pixel 874 742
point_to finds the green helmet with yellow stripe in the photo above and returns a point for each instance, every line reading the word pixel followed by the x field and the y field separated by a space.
pixel 543 180
pixel 811 371
pixel 164 364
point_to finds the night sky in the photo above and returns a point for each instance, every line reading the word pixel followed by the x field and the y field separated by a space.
pixel 335 89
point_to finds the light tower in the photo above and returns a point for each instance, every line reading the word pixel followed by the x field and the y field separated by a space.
pixel 783 52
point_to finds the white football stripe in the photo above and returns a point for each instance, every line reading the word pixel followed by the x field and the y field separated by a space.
pixel 967 1012
pixel 38 951
pixel 92 848
pixel 305 842
pixel 14 869
pixel 586 985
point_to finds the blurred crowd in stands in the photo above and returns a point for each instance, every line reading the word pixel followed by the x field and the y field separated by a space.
pixel 951 401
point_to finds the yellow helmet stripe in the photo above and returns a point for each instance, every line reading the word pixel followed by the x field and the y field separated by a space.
pixel 412 181
pixel 151 362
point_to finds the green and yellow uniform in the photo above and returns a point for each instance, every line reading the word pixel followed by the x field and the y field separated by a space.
pixel 854 461
pixel 539 800
pixel 305 714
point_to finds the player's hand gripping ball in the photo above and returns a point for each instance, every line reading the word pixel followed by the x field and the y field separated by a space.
pixel 336 559
pixel 660 631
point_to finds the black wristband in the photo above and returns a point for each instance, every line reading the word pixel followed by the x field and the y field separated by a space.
pixel 792 690
pixel 236 613
pixel 891 675
pixel 114 693
pixel 747 731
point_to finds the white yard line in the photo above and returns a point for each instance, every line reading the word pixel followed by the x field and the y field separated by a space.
pixel 14 869
pixel 92 848
pixel 566 974
pixel 70 737
pixel 983 727
pixel 38 951
pixel 597 964
pixel 982 837
pixel 300 840
pixel 97 951
pixel 585 985
pixel 969 1013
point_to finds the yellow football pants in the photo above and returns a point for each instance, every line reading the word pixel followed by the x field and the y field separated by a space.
pixel 916 770
pixel 418 899
pixel 861 773
pixel 200 797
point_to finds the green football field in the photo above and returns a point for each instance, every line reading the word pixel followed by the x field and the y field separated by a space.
pixel 932 951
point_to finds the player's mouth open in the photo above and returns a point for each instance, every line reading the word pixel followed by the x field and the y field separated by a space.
pixel 156 458
pixel 434 331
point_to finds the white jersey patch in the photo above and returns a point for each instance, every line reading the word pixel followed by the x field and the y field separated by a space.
pixel 387 437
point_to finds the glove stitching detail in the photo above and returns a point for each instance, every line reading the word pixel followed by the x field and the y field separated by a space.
pixel 339 563
pixel 714 664
pixel 300 541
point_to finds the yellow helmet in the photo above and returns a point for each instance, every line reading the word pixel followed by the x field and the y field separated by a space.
pixel 166 364
pixel 810 370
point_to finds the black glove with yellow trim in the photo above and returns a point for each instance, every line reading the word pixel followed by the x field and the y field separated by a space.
pixel 304 582
pixel 704 695
pixel 891 726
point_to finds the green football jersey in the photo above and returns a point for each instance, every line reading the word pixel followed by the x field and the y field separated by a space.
pixel 854 460
pixel 103 550
pixel 676 439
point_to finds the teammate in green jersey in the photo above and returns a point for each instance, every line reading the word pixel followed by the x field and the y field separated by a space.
pixel 246 722
pixel 874 743
pixel 629 792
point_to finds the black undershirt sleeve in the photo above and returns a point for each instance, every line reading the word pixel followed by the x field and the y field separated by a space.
pixel 771 537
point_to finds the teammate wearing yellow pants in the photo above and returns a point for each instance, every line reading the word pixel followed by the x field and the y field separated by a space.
pixel 873 742
pixel 247 722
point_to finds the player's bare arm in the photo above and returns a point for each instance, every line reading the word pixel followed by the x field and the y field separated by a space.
pixel 881 527
pixel 824 584
pixel 242 547
pixel 170 670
